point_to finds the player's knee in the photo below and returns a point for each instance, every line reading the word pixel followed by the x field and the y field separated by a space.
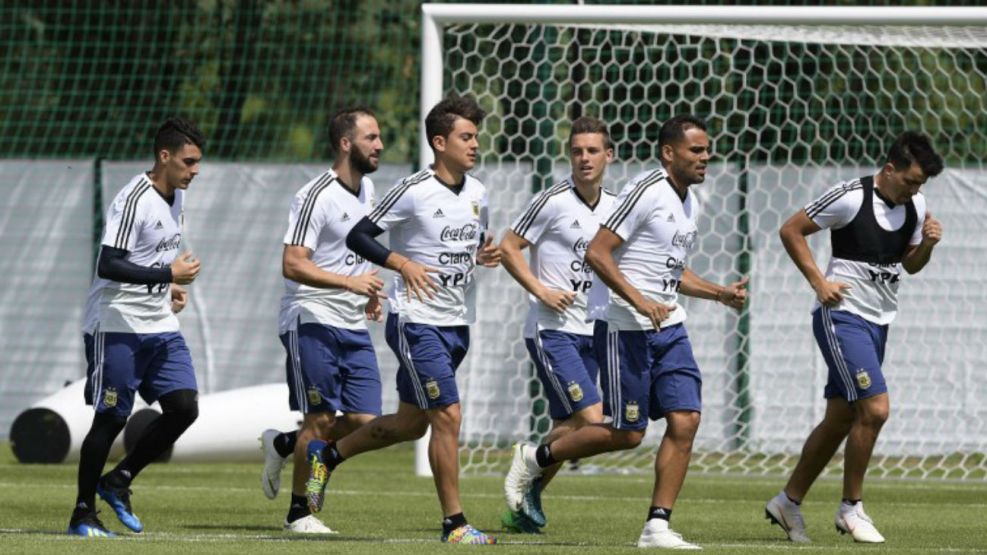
pixel 683 426
pixel 446 419
pixel 181 405
pixel 628 439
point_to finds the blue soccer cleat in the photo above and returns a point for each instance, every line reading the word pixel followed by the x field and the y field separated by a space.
pixel 518 523
pixel 118 497
pixel 318 475
pixel 531 504
pixel 87 525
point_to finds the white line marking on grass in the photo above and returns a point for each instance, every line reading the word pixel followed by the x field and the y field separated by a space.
pixel 430 494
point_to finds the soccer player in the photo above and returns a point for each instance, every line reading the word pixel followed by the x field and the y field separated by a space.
pixel 131 335
pixel 437 220
pixel 558 225
pixel 331 364
pixel 648 367
pixel 879 225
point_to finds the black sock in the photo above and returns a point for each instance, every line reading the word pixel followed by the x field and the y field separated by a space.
pixel 298 508
pixel 543 454
pixel 660 512
pixel 797 503
pixel 450 523
pixel 92 456
pixel 851 501
pixel 331 456
pixel 180 409
pixel 284 443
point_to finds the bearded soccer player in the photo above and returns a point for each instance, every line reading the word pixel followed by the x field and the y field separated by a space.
pixel 437 220
pixel 331 364
pixel 558 225
pixel 650 372
pixel 879 226
pixel 131 335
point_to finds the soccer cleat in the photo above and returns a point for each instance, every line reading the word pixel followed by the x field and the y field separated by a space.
pixel 788 515
pixel 531 504
pixel 88 525
pixel 656 533
pixel 270 475
pixel 307 525
pixel 318 475
pixel 118 497
pixel 467 535
pixel 856 523
pixel 522 474
pixel 518 523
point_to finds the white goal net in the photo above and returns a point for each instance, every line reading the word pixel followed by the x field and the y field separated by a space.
pixel 791 109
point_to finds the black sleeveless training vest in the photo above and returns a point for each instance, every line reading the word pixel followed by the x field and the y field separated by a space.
pixel 864 240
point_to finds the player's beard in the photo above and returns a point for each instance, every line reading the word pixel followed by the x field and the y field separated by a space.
pixel 361 163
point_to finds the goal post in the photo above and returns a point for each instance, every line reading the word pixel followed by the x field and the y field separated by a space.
pixel 797 98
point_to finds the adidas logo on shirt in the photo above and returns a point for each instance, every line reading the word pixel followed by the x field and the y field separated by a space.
pixel 158 225
pixel 575 225
pixel 345 218
pixel 438 214
pixel 671 218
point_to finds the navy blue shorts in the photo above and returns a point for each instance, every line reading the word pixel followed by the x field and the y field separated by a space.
pixel 567 369
pixel 854 351
pixel 653 371
pixel 120 364
pixel 428 356
pixel 331 369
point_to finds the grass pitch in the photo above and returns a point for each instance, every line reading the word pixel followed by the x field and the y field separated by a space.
pixel 379 506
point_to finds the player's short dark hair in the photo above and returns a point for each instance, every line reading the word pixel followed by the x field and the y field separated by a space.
pixel 914 148
pixel 673 130
pixel 586 125
pixel 343 123
pixel 175 133
pixel 442 117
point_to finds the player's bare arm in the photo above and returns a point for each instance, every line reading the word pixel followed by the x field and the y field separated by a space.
pixel 918 256
pixel 733 295
pixel 417 282
pixel 489 255
pixel 793 234
pixel 297 265
pixel 599 255
pixel 516 265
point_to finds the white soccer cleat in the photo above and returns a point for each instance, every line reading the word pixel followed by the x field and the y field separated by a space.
pixel 788 515
pixel 854 521
pixel 656 533
pixel 524 470
pixel 270 475
pixel 308 525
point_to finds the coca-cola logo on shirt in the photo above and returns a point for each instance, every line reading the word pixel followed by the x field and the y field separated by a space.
pixel 580 246
pixel 169 244
pixel 467 232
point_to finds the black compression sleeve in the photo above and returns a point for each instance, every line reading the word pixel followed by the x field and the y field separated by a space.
pixel 361 241
pixel 113 265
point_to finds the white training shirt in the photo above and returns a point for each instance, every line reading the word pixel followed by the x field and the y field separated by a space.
pixel 142 222
pixel 559 225
pixel 659 231
pixel 322 214
pixel 874 301
pixel 433 225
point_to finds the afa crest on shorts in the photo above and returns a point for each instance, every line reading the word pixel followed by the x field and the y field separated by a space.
pixel 432 388
pixel 631 412
pixel 575 392
pixel 314 397
pixel 863 379
pixel 110 397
